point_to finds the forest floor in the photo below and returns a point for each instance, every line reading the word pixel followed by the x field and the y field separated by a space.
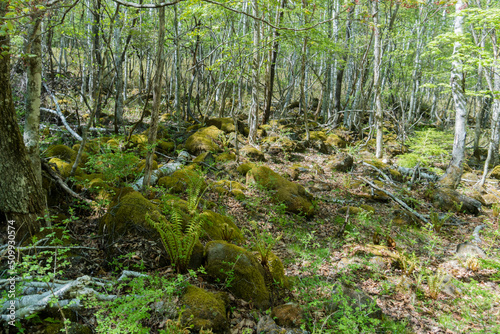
pixel 357 236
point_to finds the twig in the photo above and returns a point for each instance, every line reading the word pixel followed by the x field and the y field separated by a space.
pixel 388 179
pixel 340 233
pixel 60 182
pixel 400 202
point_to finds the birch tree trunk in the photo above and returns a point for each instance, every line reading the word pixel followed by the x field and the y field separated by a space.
pixel 377 53
pixel 253 117
pixel 453 174
pixel 32 125
pixel 21 198
pixel 153 128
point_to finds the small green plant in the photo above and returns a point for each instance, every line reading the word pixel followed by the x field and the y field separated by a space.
pixel 114 165
pixel 178 241
pixel 263 242
pixel 435 282
pixel 229 273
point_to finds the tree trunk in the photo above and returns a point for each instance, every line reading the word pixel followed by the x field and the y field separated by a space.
pixel 453 174
pixel 21 198
pixel 253 117
pixel 153 128
pixel 32 125
pixel 272 65
pixel 377 53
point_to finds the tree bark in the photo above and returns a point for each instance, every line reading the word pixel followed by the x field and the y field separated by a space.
pixel 453 174
pixel 32 125
pixel 21 199
pixel 253 117
pixel 153 128
pixel 377 53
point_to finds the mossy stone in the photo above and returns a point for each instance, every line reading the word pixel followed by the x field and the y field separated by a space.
pixel 225 261
pixel 252 153
pixel 63 167
pixel 62 152
pixel 316 135
pixel 204 310
pixel 181 179
pixel 277 270
pixel 127 213
pixel 495 173
pixel 206 157
pixel 294 195
pixel 336 141
pixel 447 199
pixel 165 146
pixel 142 165
pixel 226 124
pixel 141 139
pixel 245 167
pixel 219 227
pixel 226 157
pixel 204 140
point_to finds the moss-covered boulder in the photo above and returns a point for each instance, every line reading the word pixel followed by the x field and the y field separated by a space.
pixel 234 188
pixel 165 146
pixel 204 158
pixel 276 269
pixel 336 141
pixel 137 140
pixel 226 124
pixel 447 199
pixel 204 310
pixel 127 213
pixel 495 173
pixel 245 167
pixel 62 152
pixel 181 179
pixel 240 270
pixel 142 165
pixel 225 157
pixel 219 227
pixel 342 162
pixel 63 167
pixel 293 195
pixel 205 139
pixel 252 153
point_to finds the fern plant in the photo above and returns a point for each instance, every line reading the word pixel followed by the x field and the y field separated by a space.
pixel 179 240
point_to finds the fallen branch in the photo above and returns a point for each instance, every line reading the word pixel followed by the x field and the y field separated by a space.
pixel 388 179
pixel 400 202
pixel 63 185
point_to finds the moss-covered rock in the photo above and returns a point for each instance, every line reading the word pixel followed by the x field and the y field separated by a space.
pixel 230 187
pixel 62 152
pixel 219 227
pixel 230 262
pixel 204 140
pixel 447 199
pixel 141 139
pixel 293 195
pixel 226 157
pixel 165 146
pixel 342 162
pixel 495 173
pixel 142 165
pixel 226 124
pixel 276 269
pixel 63 167
pixel 336 141
pixel 316 135
pixel 181 179
pixel 245 167
pixel 204 310
pixel 252 153
pixel 127 213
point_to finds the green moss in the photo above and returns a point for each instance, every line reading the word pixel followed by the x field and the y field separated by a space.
pixel 217 225
pixel 244 168
pixel 127 213
pixel 295 196
pixel 335 141
pixel 166 146
pixel 277 271
pixel 252 153
pixel 181 179
pixel 62 152
pixel 225 157
pixel 495 173
pixel 142 165
pixel 316 135
pixel 139 139
pixel 204 310
pixel 225 124
pixel 63 167
pixel 206 157
pixel 204 140
pixel 227 261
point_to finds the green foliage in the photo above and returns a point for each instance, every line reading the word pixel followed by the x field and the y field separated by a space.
pixel 114 165
pixel 129 313
pixel 426 146
pixel 179 241
pixel 262 241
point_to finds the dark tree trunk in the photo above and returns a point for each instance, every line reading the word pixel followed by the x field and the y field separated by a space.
pixel 20 199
